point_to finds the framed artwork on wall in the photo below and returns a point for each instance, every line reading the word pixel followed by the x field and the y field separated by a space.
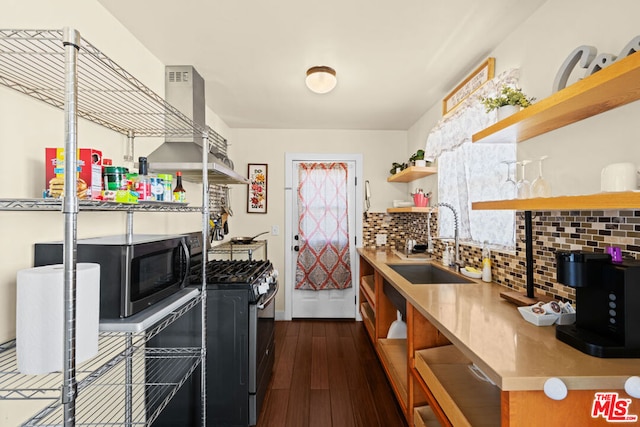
pixel 477 78
pixel 257 194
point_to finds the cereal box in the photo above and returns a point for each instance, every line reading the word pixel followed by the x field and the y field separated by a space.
pixel 89 173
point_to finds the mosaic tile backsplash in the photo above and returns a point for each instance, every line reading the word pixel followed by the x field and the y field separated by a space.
pixel 552 231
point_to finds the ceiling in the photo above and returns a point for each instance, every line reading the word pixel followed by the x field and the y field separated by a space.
pixel 394 60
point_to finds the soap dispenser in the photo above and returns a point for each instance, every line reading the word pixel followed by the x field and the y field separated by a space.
pixel 445 256
pixel 486 263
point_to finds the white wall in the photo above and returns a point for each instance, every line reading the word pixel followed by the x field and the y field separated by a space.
pixel 270 146
pixel 578 151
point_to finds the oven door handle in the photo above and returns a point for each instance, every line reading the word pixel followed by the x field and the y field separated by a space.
pixel 268 301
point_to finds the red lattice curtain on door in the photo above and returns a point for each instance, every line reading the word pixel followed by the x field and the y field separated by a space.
pixel 323 227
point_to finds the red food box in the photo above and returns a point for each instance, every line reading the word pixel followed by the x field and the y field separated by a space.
pixel 89 173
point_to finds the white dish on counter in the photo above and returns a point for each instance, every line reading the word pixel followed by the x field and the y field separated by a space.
pixel 471 274
pixel 537 319
pixel 546 319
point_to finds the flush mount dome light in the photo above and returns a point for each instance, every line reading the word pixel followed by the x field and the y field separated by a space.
pixel 321 79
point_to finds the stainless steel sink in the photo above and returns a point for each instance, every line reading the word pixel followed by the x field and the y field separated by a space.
pixel 426 274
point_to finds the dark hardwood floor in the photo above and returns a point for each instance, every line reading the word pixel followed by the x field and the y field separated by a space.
pixel 327 374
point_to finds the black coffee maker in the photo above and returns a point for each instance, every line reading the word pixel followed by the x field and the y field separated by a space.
pixel 607 304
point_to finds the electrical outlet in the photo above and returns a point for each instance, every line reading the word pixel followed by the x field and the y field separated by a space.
pixel 275 230
pixel 381 239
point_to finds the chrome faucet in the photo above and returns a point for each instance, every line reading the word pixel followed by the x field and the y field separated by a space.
pixel 458 261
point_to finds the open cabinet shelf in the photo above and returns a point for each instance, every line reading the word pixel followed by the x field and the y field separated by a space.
pixel 367 285
pixel 368 317
pixel 423 416
pixel 393 353
pixel 611 87
pixel 466 399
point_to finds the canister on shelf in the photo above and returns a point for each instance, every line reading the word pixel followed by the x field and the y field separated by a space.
pixel 115 178
pixel 167 185
pixel 157 188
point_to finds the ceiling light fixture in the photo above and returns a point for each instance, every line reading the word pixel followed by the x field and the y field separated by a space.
pixel 321 79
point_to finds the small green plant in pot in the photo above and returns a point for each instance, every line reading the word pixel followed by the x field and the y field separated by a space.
pixel 509 96
pixel 417 158
pixel 397 167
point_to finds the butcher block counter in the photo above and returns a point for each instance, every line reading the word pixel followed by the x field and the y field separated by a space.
pixel 469 358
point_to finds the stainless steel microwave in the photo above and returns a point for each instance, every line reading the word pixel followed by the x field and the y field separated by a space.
pixel 133 274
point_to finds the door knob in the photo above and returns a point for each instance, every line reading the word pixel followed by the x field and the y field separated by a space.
pixel 296 237
pixel 296 248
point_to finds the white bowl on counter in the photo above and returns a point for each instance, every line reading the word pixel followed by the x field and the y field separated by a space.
pixel 537 319
pixel 471 274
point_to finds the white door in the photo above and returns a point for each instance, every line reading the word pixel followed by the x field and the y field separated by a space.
pixel 330 302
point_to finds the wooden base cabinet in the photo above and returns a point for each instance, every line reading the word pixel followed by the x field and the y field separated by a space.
pixel 438 383
pixel 379 311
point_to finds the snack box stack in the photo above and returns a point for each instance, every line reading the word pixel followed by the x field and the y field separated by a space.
pixel 89 173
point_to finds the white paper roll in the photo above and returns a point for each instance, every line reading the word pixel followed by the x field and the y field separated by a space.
pixel 40 316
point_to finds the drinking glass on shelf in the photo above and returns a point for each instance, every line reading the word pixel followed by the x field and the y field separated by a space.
pixel 509 185
pixel 540 187
pixel 523 188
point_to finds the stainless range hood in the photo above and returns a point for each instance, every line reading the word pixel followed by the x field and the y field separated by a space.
pixel 184 90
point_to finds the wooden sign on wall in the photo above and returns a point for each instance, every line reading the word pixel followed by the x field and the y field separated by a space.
pixel 477 78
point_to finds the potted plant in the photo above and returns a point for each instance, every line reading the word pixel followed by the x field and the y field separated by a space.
pixel 397 167
pixel 418 158
pixel 509 97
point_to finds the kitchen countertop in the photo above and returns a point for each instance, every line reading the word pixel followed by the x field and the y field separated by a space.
pixel 513 353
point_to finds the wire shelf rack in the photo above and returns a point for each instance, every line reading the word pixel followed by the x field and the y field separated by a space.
pixel 95 205
pixel 114 347
pixel 32 62
pixel 40 63
pixel 149 397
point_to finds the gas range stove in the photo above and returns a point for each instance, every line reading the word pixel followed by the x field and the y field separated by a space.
pixel 257 276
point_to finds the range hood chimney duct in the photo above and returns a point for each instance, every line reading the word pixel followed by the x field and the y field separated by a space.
pixel 184 90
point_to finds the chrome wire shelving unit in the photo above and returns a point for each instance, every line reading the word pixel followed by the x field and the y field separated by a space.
pixel 100 379
pixel 62 69
pixel 94 205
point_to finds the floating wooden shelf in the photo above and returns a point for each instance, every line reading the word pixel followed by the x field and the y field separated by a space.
pixel 412 173
pixel 621 200
pixel 410 209
pixel 611 87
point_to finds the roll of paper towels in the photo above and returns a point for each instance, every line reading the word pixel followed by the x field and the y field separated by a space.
pixel 40 316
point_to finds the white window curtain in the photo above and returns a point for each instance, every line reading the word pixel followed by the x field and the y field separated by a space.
pixel 323 227
pixel 470 172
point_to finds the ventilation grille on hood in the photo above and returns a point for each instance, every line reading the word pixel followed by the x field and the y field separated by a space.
pixel 178 76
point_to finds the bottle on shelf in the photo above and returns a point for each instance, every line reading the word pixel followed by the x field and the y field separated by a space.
pixel 179 195
pixel 143 185
pixel 486 263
